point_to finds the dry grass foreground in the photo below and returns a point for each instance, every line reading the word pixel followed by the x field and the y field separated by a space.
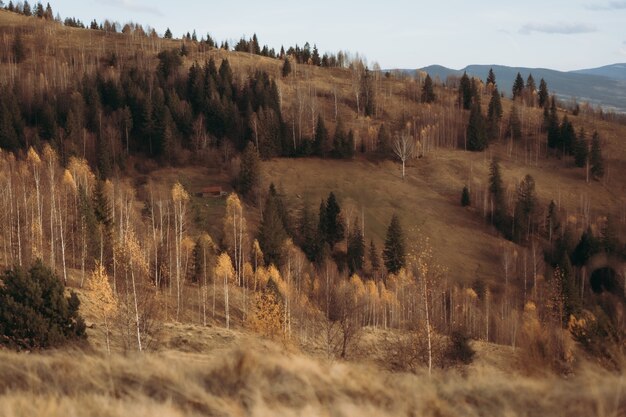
pixel 245 381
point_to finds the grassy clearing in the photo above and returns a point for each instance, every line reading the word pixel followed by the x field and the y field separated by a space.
pixel 428 200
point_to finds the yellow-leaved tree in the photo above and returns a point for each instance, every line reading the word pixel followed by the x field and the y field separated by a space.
pixel 235 233
pixel 180 198
pixel 131 257
pixel 100 294
pixel 34 162
pixel 267 316
pixel 224 270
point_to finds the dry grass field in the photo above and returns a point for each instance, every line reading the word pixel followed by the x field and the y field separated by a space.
pixel 199 370
pixel 250 377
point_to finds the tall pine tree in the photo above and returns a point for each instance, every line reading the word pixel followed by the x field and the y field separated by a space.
pixel 373 257
pixel 476 130
pixel 491 78
pixel 465 92
pixel 356 248
pixel 543 93
pixel 581 149
pixel 320 142
pixel 494 115
pixel 496 191
pixel 554 134
pixel 595 158
pixel 249 172
pixel 428 91
pixel 272 233
pixel 332 225
pixel 394 253
pixel 518 86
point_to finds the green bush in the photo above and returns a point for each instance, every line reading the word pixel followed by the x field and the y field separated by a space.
pixel 459 349
pixel 35 313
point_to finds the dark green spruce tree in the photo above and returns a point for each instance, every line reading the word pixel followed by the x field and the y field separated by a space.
pixel 428 91
pixel 35 312
pixel 465 92
pixel 595 157
pixel 320 142
pixel 333 227
pixel 373 257
pixel 567 136
pixel 531 90
pixel 491 78
pixel 282 209
pixel 394 253
pixel 553 222
pixel 554 133
pixel 249 172
pixel 496 191
pixel 356 248
pixel 525 209
pixel 586 248
pixel 476 129
pixel 272 233
pixel 543 94
pixel 518 86
pixel 494 115
pixel 581 149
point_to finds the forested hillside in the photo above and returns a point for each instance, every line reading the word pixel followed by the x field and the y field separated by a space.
pixel 181 189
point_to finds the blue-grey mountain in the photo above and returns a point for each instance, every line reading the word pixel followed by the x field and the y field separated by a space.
pixel 604 86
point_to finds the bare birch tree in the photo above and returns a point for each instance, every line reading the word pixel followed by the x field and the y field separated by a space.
pixel 403 148
pixel 180 197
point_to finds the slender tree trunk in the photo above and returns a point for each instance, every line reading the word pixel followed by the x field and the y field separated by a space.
pixel 428 332
pixel 204 276
pixel 226 311
pixel 62 244
pixel 132 275
pixel 106 333
pixel 214 290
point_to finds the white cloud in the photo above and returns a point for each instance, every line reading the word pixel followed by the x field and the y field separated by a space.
pixel 557 28
pixel 134 6
pixel 612 5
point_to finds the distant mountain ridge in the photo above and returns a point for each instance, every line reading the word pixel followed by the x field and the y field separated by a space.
pixel 604 86
pixel 615 71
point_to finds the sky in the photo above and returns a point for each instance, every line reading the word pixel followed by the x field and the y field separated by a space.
pixel 559 34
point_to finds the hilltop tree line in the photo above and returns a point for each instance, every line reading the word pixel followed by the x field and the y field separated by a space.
pixel 25 9
pixel 160 113
pixel 152 113
pixel 186 113
pixel 301 55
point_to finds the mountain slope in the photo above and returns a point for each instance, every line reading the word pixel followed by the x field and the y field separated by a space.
pixel 593 86
pixel 615 71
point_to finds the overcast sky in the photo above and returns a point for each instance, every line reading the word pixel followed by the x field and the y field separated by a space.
pixel 559 34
